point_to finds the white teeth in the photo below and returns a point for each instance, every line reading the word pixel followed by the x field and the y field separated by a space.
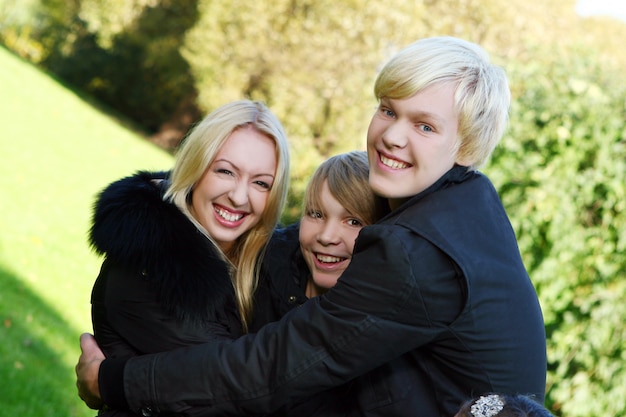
pixel 392 163
pixel 328 259
pixel 226 215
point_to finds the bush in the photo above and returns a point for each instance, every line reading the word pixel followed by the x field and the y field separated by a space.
pixel 561 172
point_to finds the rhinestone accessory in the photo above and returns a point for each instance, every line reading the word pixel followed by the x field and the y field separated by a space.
pixel 487 406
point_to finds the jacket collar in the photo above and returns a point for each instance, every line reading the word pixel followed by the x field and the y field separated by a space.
pixel 455 175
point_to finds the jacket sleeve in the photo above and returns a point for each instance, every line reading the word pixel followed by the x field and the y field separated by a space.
pixel 375 313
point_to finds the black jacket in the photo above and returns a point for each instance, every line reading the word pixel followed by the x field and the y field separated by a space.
pixel 282 288
pixel 282 285
pixel 162 284
pixel 435 307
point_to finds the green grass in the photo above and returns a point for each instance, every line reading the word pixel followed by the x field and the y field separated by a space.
pixel 57 152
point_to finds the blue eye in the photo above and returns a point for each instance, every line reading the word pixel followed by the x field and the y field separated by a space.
pixel 388 112
pixel 315 214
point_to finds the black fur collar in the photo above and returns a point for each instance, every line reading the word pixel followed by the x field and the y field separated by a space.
pixel 134 227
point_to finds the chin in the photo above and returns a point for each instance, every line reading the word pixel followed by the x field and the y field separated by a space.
pixel 379 189
pixel 326 282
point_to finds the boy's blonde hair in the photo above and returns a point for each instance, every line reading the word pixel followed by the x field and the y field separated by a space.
pixel 482 96
pixel 198 151
pixel 347 176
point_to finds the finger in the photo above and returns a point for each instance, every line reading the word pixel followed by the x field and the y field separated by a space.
pixel 87 371
pixel 89 347
pixel 86 339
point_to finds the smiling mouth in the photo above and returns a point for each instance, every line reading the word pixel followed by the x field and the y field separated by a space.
pixel 327 259
pixel 393 163
pixel 227 215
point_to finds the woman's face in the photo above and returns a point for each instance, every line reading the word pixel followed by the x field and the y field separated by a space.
pixel 230 197
pixel 327 236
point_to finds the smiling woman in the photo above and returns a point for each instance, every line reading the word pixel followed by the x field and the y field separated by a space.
pixel 181 250
pixel 230 197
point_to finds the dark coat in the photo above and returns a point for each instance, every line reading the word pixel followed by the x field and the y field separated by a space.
pixel 162 284
pixel 282 286
pixel 435 307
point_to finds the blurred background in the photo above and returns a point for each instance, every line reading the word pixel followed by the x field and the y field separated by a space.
pixel 93 90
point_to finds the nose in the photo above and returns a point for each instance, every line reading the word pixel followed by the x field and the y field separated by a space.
pixel 327 234
pixel 395 136
pixel 238 195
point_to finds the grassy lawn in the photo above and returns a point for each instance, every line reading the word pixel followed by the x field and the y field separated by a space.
pixel 57 152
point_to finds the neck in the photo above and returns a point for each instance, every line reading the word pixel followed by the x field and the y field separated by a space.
pixel 313 290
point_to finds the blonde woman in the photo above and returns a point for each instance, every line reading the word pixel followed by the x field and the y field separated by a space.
pixel 181 251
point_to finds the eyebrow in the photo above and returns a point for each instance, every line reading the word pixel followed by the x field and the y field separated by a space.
pixel 438 120
pixel 237 168
pixel 416 114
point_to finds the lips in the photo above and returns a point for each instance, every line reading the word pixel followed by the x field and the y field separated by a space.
pixel 228 216
pixel 393 163
pixel 328 259
pixel 329 263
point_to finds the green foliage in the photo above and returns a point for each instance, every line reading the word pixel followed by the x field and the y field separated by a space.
pixel 35 340
pixel 561 171
pixel 313 62
pixel 17 28
pixel 58 152
pixel 130 61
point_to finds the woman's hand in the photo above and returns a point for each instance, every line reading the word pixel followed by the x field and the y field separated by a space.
pixel 87 370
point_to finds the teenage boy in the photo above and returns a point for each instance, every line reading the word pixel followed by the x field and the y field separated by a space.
pixel 436 304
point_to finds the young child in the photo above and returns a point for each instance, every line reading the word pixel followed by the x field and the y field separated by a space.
pixel 500 405
pixel 436 303
pixel 306 259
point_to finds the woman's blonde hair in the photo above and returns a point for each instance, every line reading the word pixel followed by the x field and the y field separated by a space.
pixel 198 151
pixel 482 96
pixel 347 176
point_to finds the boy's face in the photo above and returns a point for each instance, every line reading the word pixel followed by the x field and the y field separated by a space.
pixel 411 142
pixel 327 236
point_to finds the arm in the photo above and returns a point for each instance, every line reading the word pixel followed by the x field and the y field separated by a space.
pixel 374 314
pixel 130 320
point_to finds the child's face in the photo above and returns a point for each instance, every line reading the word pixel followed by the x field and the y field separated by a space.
pixel 410 142
pixel 327 236
pixel 231 196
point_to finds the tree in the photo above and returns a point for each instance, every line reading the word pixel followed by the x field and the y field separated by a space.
pixel 560 169
pixel 561 172
pixel 126 56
